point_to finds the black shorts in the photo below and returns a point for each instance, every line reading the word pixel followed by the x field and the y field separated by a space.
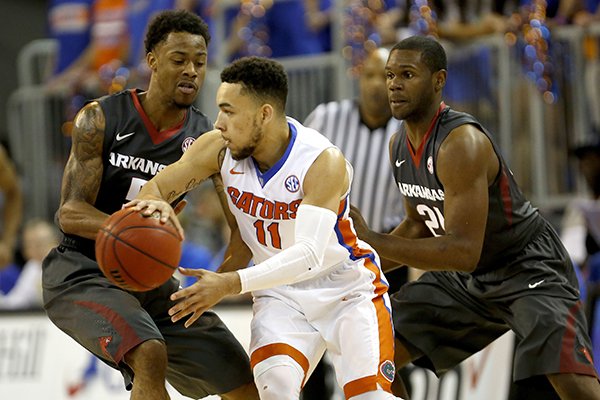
pixel 204 359
pixel 445 317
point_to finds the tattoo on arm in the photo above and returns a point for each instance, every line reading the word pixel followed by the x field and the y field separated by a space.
pixel 172 196
pixel 83 172
pixel 218 183
pixel 220 189
pixel 191 184
pixel 221 157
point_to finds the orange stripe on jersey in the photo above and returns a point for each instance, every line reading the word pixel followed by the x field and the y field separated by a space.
pixel 386 330
pixel 360 386
pixel 346 235
pixel 279 349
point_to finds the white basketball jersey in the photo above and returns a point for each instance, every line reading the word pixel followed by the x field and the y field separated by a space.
pixel 265 204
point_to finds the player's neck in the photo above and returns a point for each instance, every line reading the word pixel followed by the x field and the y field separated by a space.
pixel 417 128
pixel 163 115
pixel 272 146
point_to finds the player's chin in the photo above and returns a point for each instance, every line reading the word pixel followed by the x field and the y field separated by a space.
pixel 184 102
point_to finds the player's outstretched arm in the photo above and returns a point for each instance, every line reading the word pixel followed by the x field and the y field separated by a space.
pixel 466 166
pixel 326 182
pixel 83 174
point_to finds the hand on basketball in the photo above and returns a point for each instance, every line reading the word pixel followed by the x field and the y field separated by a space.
pixel 209 289
pixel 150 206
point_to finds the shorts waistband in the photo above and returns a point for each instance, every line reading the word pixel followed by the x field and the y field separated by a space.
pixel 82 245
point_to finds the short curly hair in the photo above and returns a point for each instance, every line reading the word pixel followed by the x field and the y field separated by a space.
pixel 169 21
pixel 432 52
pixel 263 78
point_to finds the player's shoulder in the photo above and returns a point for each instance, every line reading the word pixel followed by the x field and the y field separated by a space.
pixel 307 136
pixel 196 111
pixel 452 119
pixel 199 120
pixel 125 94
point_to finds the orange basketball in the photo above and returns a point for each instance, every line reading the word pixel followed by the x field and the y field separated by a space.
pixel 137 253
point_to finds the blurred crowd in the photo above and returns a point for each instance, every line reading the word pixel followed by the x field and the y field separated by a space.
pixel 101 50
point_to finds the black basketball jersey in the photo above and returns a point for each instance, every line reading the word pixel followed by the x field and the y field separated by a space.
pixel 512 221
pixel 134 151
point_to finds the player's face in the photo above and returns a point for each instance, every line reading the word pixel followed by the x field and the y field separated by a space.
pixel 410 85
pixel 179 66
pixel 238 120
pixel 372 85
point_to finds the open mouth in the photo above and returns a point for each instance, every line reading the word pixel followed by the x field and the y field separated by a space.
pixel 187 87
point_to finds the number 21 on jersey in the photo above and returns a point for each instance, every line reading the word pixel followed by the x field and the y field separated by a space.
pixel 433 218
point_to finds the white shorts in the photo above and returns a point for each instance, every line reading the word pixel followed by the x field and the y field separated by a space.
pixel 346 312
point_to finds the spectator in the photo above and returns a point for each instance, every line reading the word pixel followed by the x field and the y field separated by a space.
pixel 39 237
pixel 207 231
pixel 578 239
pixel 93 70
pixel 11 202
pixel 69 23
pixel 586 17
pixel 264 29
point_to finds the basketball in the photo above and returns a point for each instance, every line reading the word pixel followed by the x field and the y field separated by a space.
pixel 137 253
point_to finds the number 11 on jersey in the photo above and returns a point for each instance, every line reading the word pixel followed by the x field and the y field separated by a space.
pixel 272 230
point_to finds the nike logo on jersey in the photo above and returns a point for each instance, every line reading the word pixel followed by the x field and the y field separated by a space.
pixel 534 285
pixel 399 163
pixel 234 172
pixel 120 136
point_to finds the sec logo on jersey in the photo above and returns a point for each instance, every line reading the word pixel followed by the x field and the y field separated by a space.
pixel 292 183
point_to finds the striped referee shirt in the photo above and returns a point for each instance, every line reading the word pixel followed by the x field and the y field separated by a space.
pixel 373 189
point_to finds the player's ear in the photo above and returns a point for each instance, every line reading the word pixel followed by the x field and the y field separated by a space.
pixel 151 60
pixel 440 79
pixel 266 112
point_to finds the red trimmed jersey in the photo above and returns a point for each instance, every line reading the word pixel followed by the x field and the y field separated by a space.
pixel 512 220
pixel 134 151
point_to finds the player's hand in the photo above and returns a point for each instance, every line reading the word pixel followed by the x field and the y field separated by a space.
pixel 150 206
pixel 209 289
pixel 360 225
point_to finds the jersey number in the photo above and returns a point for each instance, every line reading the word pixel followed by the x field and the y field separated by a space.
pixel 272 229
pixel 135 187
pixel 434 219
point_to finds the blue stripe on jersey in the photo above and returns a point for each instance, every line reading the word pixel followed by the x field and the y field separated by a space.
pixel 342 242
pixel 264 178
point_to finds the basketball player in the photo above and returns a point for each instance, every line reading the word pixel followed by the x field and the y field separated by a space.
pixel 119 143
pixel 361 128
pixel 494 263
pixel 315 285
